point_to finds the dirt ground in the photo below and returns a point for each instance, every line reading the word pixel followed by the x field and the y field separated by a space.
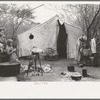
pixel 60 66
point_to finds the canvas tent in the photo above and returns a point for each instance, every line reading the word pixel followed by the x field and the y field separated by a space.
pixel 45 35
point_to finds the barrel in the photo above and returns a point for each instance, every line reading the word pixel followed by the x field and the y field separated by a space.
pixel 9 69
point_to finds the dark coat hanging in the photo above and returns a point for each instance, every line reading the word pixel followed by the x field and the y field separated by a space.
pixel 62 41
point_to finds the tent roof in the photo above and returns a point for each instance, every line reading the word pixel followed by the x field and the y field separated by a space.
pixel 51 19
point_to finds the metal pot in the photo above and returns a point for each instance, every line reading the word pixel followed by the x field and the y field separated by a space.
pixel 76 76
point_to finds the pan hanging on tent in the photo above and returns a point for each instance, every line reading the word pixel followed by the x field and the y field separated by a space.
pixel 31 36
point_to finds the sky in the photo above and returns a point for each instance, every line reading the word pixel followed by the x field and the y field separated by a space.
pixel 43 14
pixel 46 12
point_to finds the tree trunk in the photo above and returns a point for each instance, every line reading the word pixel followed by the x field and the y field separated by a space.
pixel 91 30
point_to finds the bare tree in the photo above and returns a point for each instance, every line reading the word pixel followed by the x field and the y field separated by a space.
pixel 13 16
pixel 80 15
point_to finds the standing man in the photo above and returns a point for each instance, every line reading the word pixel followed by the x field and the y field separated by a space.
pixel 80 45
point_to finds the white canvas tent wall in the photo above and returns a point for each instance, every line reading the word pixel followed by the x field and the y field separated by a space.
pixel 73 34
pixel 45 35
